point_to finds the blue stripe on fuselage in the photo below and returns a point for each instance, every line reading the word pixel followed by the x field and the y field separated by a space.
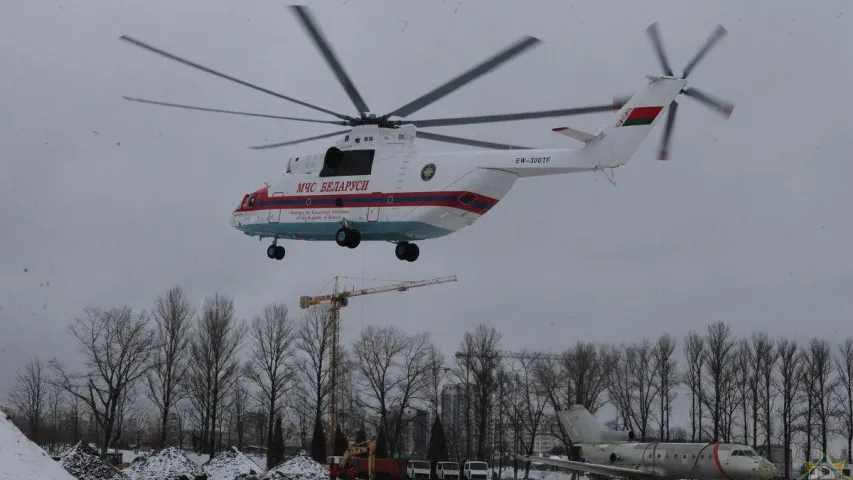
pixel 381 231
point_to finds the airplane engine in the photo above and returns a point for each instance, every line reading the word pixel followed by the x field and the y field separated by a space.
pixel 620 436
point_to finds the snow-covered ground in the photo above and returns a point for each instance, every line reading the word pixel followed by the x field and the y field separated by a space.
pixel 229 464
pixel 21 459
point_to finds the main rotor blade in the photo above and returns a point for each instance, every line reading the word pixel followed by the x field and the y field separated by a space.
pixel 301 140
pixel 720 106
pixel 310 26
pixel 466 141
pixel 715 37
pixel 443 122
pixel 227 77
pixel 654 36
pixel 663 152
pixel 484 67
pixel 205 109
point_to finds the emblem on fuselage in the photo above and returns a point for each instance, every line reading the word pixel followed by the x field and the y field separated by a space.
pixel 428 172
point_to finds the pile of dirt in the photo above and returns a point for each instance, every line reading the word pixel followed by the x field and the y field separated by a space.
pixel 84 462
pixel 299 467
pixel 229 465
pixel 22 459
pixel 166 464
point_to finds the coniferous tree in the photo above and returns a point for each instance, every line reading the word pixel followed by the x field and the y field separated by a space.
pixel 437 449
pixel 361 435
pixel 341 442
pixel 276 452
pixel 381 450
pixel 318 442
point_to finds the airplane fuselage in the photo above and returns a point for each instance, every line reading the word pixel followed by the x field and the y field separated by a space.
pixel 705 461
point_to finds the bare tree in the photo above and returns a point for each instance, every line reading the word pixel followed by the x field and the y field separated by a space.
pixel 760 353
pixel 436 374
pixel 721 351
pixel 765 346
pixel 634 387
pixel 788 385
pixel 118 347
pixel 579 375
pixel 394 367
pixel 136 422
pixel 28 396
pixel 314 340
pixel 820 369
pixel 214 364
pixel 304 411
pixel 743 383
pixel 527 400
pixel 808 409
pixel 844 366
pixel 694 351
pixel 270 363
pixel 55 398
pixel 481 363
pixel 173 315
pixel 667 380
pixel 239 410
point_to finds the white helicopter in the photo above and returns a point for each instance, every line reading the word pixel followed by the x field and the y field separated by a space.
pixel 375 185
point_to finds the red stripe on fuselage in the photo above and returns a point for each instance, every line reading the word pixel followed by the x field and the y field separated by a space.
pixel 644 113
pixel 717 461
pixel 474 202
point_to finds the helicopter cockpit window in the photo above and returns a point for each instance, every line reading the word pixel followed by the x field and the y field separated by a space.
pixel 250 201
pixel 352 163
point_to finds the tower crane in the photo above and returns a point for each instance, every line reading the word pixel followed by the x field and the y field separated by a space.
pixel 337 300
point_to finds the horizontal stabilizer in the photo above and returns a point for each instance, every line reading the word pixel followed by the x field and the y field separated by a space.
pixel 576 134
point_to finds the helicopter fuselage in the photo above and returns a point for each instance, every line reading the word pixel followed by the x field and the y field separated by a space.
pixel 382 187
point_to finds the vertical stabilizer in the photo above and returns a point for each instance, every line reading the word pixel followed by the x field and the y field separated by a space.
pixel 580 425
pixel 626 131
pixel 582 428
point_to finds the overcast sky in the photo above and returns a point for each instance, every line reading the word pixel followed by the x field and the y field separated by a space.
pixel 108 202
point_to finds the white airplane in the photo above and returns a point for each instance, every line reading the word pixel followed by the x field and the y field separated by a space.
pixel 375 184
pixel 615 454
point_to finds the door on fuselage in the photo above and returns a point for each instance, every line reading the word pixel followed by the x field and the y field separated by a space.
pixel 373 214
pixel 275 213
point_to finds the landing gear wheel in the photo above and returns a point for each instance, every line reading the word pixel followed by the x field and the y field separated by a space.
pixel 347 237
pixel 407 251
pixel 275 252
pixel 353 239
pixel 271 251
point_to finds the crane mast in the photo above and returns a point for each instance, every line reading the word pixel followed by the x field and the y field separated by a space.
pixel 337 300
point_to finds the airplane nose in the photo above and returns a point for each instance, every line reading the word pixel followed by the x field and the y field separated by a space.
pixel 766 470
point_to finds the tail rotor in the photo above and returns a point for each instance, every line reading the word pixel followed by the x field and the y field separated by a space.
pixel 718 105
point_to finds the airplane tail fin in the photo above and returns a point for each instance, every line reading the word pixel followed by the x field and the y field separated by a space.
pixel 582 428
pixel 626 131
